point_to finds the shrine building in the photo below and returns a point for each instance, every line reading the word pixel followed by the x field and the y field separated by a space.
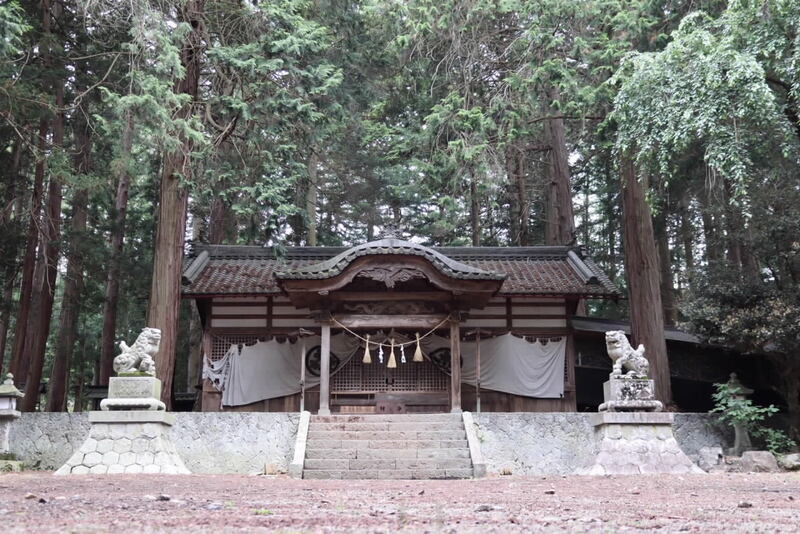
pixel 390 326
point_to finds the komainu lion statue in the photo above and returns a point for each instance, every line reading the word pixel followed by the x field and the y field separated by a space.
pixel 625 357
pixel 139 356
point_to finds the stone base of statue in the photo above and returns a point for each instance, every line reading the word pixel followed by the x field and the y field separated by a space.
pixel 633 443
pixel 133 393
pixel 130 434
pixel 623 393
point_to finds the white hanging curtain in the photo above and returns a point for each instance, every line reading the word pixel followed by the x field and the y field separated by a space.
pixel 514 365
pixel 268 369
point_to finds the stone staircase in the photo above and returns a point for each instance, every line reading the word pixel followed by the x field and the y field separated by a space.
pixel 399 446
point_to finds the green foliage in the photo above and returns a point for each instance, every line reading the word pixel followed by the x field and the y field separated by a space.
pixel 702 88
pixel 733 408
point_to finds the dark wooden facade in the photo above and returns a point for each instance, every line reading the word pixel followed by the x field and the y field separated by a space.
pixel 392 284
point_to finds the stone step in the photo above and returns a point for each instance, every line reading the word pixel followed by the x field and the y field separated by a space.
pixel 392 426
pixel 385 454
pixel 371 474
pixel 387 463
pixel 385 435
pixel 388 418
pixel 358 444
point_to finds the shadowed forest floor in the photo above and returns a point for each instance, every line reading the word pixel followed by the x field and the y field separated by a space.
pixel 42 502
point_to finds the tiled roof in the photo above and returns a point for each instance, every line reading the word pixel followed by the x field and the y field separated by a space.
pixel 247 270
pixel 388 247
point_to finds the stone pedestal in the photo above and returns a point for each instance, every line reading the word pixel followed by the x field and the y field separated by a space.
pixel 133 441
pixel 6 418
pixel 133 393
pixel 628 394
pixel 632 443
pixel 130 434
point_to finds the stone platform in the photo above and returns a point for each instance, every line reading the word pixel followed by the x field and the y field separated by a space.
pixel 632 443
pixel 135 441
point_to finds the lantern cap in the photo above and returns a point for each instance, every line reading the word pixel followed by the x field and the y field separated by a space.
pixel 7 389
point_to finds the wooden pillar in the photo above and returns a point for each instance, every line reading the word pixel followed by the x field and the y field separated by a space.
pixel 303 376
pixel 478 371
pixel 455 366
pixel 325 371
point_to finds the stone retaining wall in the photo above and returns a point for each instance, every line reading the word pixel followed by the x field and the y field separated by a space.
pixel 561 443
pixel 207 442
pixel 520 443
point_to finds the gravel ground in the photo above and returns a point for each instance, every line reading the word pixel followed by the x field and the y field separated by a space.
pixel 731 503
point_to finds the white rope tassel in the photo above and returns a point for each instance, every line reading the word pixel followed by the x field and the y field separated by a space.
pixel 367 355
pixel 418 351
pixel 392 361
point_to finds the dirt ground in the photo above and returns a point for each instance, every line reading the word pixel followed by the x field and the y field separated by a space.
pixel 731 503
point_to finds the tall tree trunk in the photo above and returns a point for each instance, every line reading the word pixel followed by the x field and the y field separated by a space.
pixel 39 328
pixel 311 198
pixel 642 266
pixel 664 266
pixel 518 196
pixel 7 216
pixel 111 302
pixel 165 294
pixel 687 234
pixel 474 210
pixel 709 213
pixel 20 357
pixel 560 228
pixel 70 301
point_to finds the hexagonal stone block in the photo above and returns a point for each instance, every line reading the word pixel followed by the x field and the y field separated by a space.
pixel 80 470
pixel 133 469
pixel 90 445
pixel 151 430
pixel 100 431
pixel 92 459
pixel 151 469
pixel 116 469
pixel 140 445
pixel 99 469
pixel 163 458
pixel 105 445
pixel 122 445
pixel 127 458
pixel 111 458
pixel 145 458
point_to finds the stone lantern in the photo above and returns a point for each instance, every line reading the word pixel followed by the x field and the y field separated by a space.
pixel 8 410
pixel 741 441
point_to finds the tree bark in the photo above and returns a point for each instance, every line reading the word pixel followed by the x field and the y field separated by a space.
pixel 311 199
pixel 687 234
pixel 474 210
pixel 664 267
pixel 73 285
pixel 642 266
pixel 19 357
pixel 165 293
pixel 7 217
pixel 39 327
pixel 111 301
pixel 708 213
pixel 560 228
pixel 518 197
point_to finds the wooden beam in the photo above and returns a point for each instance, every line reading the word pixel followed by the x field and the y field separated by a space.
pixel 390 321
pixel 365 296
